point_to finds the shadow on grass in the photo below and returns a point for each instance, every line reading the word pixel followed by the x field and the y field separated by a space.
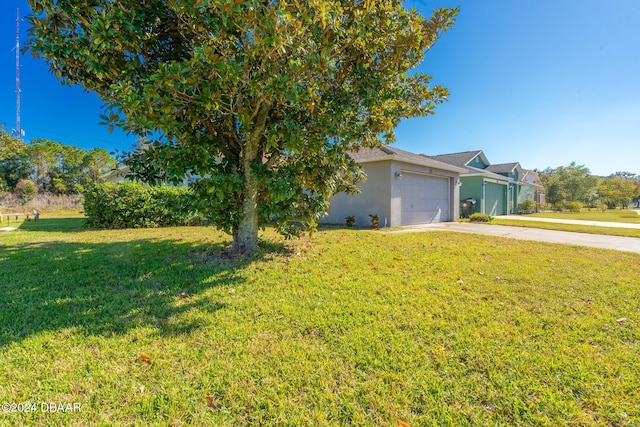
pixel 55 225
pixel 110 288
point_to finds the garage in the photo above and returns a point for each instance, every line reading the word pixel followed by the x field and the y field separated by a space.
pixel 495 199
pixel 424 198
pixel 401 188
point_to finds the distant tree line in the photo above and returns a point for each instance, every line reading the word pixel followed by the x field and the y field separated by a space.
pixel 573 187
pixel 52 167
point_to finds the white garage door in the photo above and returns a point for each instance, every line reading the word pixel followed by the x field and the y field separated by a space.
pixel 425 199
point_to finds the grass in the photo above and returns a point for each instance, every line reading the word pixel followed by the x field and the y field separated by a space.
pixel 591 229
pixel 625 215
pixel 356 328
pixel 621 216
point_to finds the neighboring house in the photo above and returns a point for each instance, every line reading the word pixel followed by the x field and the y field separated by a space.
pixel 120 174
pixel 402 188
pixel 497 189
pixel 531 187
pixel 116 175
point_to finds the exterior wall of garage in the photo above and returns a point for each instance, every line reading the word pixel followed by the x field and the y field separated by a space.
pixel 471 189
pixel 374 198
pixel 381 194
pixel 491 195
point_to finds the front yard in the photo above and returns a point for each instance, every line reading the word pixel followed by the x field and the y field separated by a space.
pixel 159 327
pixel 620 216
pixel 612 215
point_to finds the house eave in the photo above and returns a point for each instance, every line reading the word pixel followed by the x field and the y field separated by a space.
pixel 424 163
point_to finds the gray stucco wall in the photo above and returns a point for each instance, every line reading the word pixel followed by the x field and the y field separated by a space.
pixel 374 198
pixel 381 195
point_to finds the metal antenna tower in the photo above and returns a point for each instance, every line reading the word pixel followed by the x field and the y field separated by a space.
pixel 18 130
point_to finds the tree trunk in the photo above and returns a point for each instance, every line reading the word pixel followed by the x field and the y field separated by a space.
pixel 245 234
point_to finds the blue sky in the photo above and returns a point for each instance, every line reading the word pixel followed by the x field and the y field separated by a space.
pixel 542 82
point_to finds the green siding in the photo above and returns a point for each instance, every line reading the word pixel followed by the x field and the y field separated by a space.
pixel 477 163
pixel 526 192
pixel 495 202
pixel 471 187
pixel 496 199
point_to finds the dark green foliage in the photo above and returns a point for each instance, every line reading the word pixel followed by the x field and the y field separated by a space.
pixel 134 205
pixel 480 217
pixel 258 103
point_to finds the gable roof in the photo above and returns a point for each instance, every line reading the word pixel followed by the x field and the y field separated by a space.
pixel 503 167
pixel 118 172
pixel 531 177
pixel 461 159
pixel 366 155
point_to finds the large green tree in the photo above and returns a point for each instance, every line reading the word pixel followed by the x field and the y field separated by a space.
pixel 45 155
pixel 257 101
pixel 572 183
pixel 97 162
pixel 15 162
pixel 618 190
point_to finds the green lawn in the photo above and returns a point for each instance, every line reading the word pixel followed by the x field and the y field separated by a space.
pixel 591 229
pixel 626 215
pixel 622 216
pixel 355 328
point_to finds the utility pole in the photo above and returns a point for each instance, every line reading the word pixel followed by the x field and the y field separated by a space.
pixel 18 130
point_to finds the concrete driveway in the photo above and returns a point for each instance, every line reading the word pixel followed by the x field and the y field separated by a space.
pixel 627 244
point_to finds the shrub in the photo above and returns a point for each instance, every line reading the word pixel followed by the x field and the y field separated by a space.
pixel 133 205
pixel 25 191
pixel 572 206
pixel 350 220
pixel 526 207
pixel 480 217
pixel 544 207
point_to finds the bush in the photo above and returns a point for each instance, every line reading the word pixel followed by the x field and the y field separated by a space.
pixel 480 217
pixel 544 207
pixel 350 220
pixel 527 207
pixel 133 205
pixel 572 206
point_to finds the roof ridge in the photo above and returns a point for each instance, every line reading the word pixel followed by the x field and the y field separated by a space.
pixel 460 152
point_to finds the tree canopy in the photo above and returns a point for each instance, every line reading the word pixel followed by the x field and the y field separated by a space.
pixel 619 190
pixel 572 183
pixel 256 102
pixel 575 183
pixel 53 166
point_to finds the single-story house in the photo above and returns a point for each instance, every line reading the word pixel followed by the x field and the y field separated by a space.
pixel 401 188
pixel 497 189
pixel 116 175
